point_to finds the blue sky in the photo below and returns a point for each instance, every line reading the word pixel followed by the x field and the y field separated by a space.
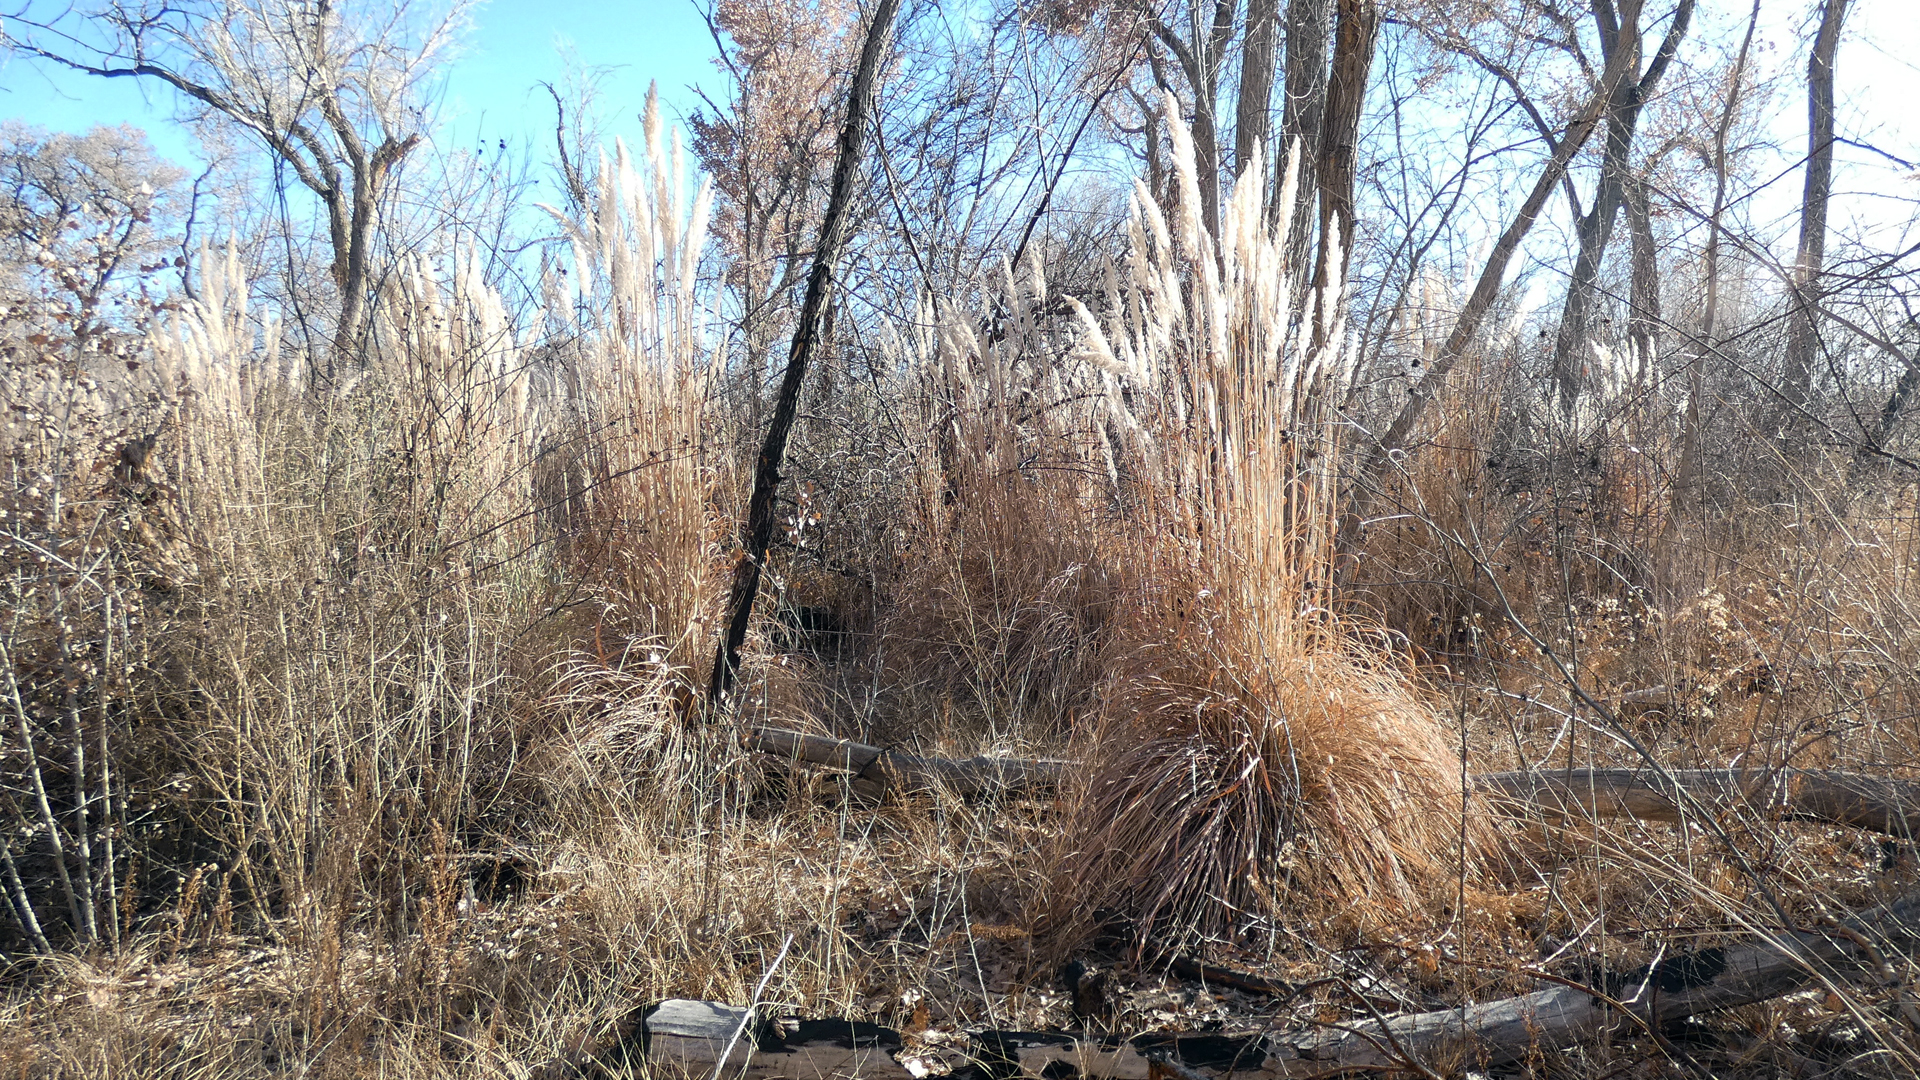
pixel 492 89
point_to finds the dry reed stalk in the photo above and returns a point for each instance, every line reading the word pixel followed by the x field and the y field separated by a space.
pixel 645 498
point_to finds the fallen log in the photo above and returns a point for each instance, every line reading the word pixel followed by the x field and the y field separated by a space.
pixel 1652 997
pixel 876 769
pixel 1844 798
pixel 693 1038
pixel 1840 798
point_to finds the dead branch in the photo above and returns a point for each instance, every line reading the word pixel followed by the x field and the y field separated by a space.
pixel 692 1037
pixel 877 769
pixel 1686 985
pixel 1855 800
pixel 1840 798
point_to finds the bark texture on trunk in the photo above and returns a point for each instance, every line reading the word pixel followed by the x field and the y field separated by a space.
pixel 1803 330
pixel 1252 121
pixel 1353 45
pixel 1620 33
pixel 1309 36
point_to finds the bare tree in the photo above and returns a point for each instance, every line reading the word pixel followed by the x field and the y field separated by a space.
pixel 769 150
pixel 1620 34
pixel 332 90
pixel 1394 440
pixel 80 215
pixel 1685 478
pixel 1197 37
pixel 1803 331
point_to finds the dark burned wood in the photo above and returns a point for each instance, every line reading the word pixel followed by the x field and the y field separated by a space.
pixel 877 769
pixel 1161 1066
pixel 1195 971
pixel 1840 798
pixel 690 1037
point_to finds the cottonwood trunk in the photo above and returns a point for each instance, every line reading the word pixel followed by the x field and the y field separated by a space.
pixel 1354 38
pixel 1309 30
pixel 1803 329
pixel 1256 83
pixel 1620 35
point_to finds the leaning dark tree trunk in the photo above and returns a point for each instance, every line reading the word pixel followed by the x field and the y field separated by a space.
pixel 758 533
pixel 1803 331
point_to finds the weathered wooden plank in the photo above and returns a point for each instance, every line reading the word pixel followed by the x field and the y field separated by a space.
pixel 1840 798
pixel 681 1037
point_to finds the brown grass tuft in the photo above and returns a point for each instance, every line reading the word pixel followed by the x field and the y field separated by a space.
pixel 1240 786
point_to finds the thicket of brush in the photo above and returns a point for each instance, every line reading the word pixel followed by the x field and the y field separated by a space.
pixel 354 726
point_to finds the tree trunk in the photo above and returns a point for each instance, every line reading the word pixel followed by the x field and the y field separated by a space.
pixel 757 536
pixel 1358 29
pixel 1803 329
pixel 1645 320
pixel 1256 83
pixel 1619 33
pixel 1309 28
pixel 1199 52
pixel 1685 477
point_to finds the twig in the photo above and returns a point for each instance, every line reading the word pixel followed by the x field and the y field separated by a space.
pixel 753 1003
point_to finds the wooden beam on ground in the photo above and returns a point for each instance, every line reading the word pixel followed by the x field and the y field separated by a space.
pixel 877 769
pixel 1840 798
pixel 692 1038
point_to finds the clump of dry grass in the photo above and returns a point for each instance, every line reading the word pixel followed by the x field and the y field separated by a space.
pixel 639 485
pixel 1157 483
pixel 1267 743
pixel 1001 601
pixel 1248 786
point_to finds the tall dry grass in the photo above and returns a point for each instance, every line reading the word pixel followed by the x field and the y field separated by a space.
pixel 345 724
pixel 1138 508
pixel 290 661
